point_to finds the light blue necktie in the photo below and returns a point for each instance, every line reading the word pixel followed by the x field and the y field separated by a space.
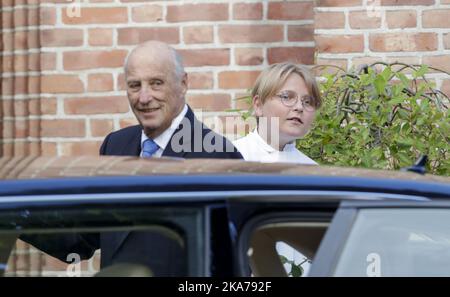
pixel 149 147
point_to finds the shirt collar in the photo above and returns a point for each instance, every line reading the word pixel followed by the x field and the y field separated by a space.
pixel 163 139
pixel 261 142
pixel 265 146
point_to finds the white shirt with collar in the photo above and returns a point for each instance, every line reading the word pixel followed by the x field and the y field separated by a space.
pixel 254 148
pixel 163 139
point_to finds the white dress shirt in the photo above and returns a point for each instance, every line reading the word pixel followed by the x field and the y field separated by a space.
pixel 254 148
pixel 163 139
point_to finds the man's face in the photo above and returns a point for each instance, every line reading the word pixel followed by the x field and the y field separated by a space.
pixel 155 92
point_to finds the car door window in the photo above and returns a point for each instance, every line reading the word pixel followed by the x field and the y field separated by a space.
pixel 284 245
pixel 397 242
pixel 37 242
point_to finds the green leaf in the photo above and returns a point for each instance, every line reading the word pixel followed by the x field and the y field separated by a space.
pixel 283 259
pixel 397 100
pixel 296 270
pixel 403 78
pixel 405 142
pixel 421 71
pixel 386 73
pixel 380 84
pixel 405 160
pixel 403 113
pixel 420 121
pixel 406 127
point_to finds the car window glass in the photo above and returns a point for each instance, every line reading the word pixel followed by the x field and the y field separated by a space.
pixel 41 253
pixel 397 242
pixel 25 260
pixel 285 249
pixel 96 241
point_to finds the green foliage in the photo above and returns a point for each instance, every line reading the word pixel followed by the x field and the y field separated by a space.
pixel 383 119
pixel 296 268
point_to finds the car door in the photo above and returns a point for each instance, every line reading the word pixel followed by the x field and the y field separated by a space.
pixel 35 231
pixel 387 238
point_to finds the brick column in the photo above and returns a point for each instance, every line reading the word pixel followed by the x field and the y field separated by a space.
pixel 20 84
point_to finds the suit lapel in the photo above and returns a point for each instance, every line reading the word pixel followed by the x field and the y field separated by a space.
pixel 132 146
pixel 194 124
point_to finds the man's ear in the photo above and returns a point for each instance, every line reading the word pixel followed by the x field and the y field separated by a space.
pixel 257 106
pixel 184 83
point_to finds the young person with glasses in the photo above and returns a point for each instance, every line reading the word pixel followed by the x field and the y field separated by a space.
pixel 285 101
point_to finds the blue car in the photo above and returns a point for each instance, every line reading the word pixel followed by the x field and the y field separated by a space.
pixel 224 217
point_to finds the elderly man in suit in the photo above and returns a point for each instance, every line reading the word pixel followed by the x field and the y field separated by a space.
pixel 156 88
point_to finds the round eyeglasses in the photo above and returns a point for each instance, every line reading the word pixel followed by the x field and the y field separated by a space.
pixel 290 98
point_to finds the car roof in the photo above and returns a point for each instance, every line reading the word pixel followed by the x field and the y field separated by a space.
pixel 112 174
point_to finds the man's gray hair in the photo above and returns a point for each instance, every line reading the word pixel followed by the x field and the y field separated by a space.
pixel 178 60
pixel 179 67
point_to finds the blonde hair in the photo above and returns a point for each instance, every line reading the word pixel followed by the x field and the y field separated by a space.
pixel 271 79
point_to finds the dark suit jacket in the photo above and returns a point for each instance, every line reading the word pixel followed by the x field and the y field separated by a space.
pixel 127 142
pixel 164 256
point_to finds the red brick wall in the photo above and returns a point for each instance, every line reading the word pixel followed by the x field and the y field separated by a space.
pixel 76 80
pixel 62 81
pixel 354 32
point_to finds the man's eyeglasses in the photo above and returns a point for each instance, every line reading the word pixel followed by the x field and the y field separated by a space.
pixel 290 98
